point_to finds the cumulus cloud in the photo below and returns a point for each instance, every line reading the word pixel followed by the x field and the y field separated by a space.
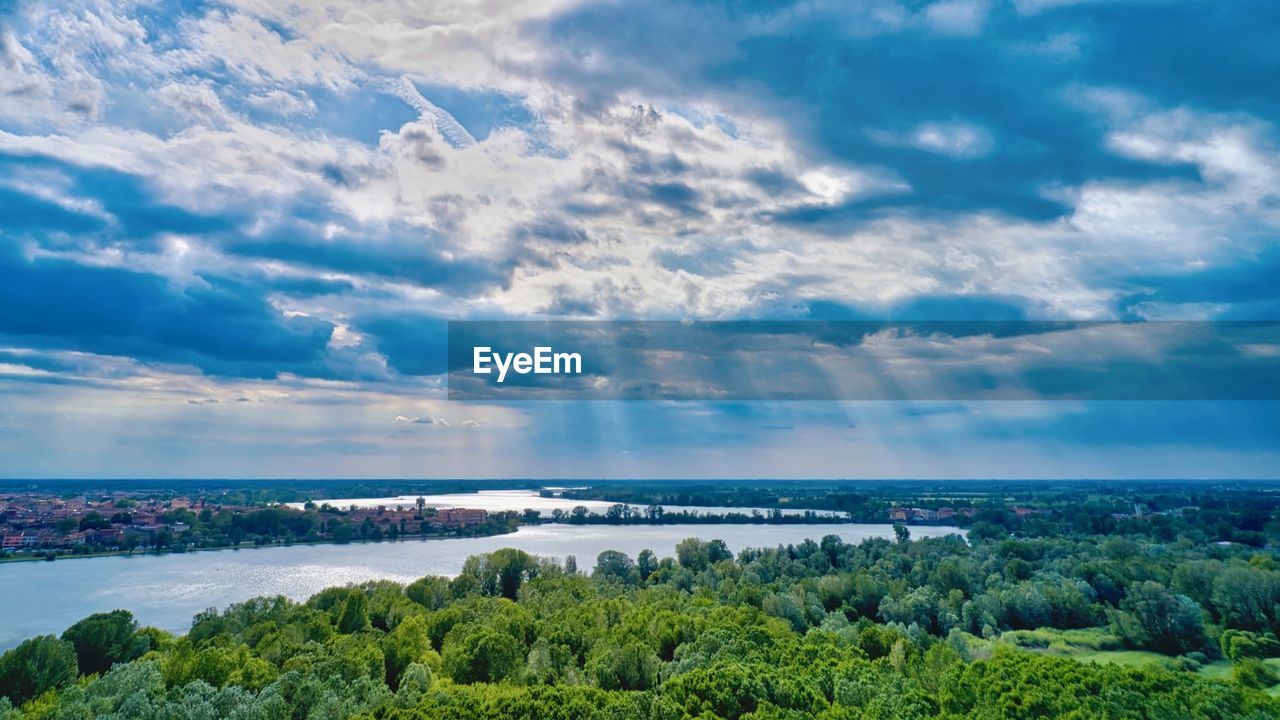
pixel 194 101
pixel 415 420
pixel 416 142
pixel 283 102
pixel 307 190
pixel 960 17
pixel 213 324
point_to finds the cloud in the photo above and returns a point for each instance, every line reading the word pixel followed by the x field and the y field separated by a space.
pixel 306 192
pixel 958 17
pixel 216 325
pixel 195 101
pixel 416 142
pixel 841 79
pixel 283 102
pixel 403 253
pixel 419 420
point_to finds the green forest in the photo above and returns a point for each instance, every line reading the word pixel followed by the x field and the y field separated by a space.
pixel 1083 627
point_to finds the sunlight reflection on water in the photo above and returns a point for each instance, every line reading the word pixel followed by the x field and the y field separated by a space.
pixel 167 590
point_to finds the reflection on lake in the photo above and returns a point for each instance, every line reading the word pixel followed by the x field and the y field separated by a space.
pixel 167 590
pixel 520 500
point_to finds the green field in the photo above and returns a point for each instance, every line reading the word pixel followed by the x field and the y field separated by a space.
pixel 1100 646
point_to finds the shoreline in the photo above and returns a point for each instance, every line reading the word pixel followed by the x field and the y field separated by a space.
pixel 304 543
pixel 423 538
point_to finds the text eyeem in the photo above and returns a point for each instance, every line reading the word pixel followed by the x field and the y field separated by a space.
pixel 543 361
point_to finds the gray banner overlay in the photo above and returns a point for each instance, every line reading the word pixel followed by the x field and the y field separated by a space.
pixel 863 360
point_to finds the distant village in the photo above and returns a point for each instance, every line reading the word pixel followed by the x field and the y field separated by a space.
pixel 39 523
pixel 903 514
pixel 943 514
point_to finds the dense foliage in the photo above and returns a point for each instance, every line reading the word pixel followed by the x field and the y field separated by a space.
pixel 909 629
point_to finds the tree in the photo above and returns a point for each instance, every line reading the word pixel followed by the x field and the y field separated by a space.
pixel 342 534
pixel 1195 579
pixel 983 530
pixel 501 572
pixel 1246 598
pixel 1152 617
pixel 633 666
pixel 474 653
pixel 514 567
pixel 717 550
pixel 414 683
pixel 901 533
pixel 646 563
pixel 951 574
pixel 405 646
pixel 1239 644
pixel 37 665
pixel 354 616
pixel 1251 672
pixel 104 639
pixel 693 553
pixel 430 592
pixel 612 564
pixel 93 520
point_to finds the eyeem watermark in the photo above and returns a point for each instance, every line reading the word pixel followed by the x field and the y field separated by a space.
pixel 863 360
pixel 543 361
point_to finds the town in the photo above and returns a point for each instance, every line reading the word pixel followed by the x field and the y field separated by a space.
pixel 41 525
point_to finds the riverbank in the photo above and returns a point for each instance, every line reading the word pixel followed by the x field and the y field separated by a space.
pixel 41 557
pixel 667 519
pixel 167 590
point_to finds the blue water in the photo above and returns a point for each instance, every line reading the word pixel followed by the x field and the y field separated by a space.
pixel 167 590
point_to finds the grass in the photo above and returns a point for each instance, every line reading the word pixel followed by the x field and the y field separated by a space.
pixel 1129 658
pixel 1218 670
pixel 1062 642
pixel 1100 646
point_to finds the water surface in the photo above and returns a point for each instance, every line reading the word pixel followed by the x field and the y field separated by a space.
pixel 521 500
pixel 167 590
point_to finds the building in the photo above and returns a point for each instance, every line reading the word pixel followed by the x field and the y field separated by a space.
pixel 460 517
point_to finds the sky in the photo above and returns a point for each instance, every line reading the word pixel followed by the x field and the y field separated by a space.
pixel 232 233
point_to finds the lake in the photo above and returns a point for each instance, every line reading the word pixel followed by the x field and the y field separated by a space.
pixel 168 590
pixel 520 500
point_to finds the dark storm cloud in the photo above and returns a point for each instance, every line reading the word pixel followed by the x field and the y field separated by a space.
pixel 220 326
pixel 406 254
pixel 135 213
pixel 130 212
pixel 1252 288
pixel 551 228
pixel 862 91
pixel 412 344
pixel 978 308
pixel 219 322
